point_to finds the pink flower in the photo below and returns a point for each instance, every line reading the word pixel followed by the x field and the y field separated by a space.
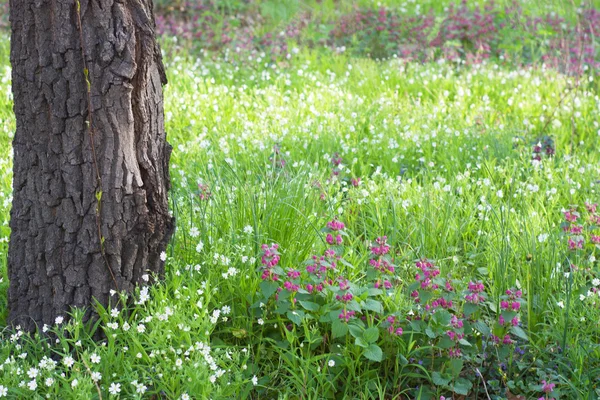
pixel 571 216
pixel 293 274
pixel 382 247
pixel 291 287
pixel 346 315
pixel 330 239
pixel 335 225
pixel 547 387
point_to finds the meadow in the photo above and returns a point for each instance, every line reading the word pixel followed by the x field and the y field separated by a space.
pixel 351 227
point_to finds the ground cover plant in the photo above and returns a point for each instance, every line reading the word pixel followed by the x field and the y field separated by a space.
pixel 352 228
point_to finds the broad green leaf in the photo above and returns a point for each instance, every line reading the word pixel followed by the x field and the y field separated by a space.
pixel 310 306
pixel 455 365
pixel 339 329
pixel 374 353
pixel 442 317
pixel 518 331
pixel 355 330
pixel 373 305
pixel 267 288
pixel 371 335
pixel 439 379
pixel 462 386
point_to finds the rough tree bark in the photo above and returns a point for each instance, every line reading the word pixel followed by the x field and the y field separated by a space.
pixel 72 181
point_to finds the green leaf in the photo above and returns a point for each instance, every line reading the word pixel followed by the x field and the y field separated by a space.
pixel 371 335
pixel 268 288
pixel 361 342
pixel 355 330
pixel 482 328
pixel 430 333
pixel 442 317
pixel 439 380
pixel 373 305
pixel 455 365
pixel 470 308
pixel 339 329
pixel 403 360
pixel 518 331
pixel 462 386
pixel 354 306
pixel 374 353
pixel 282 307
pixel 310 306
pixel 445 342
pixel 239 333
pixel 295 316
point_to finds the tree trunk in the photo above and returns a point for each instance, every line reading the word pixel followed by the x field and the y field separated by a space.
pixel 90 209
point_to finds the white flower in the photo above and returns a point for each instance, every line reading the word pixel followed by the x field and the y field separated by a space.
pixel 194 232
pixel 32 385
pixel 596 282
pixel 561 304
pixel 59 320
pixel 163 256
pixel 331 363
pixel 96 376
pixel 3 391
pixel 141 328
pixel 95 358
pixel 49 382
pixel 140 388
pixel 254 380
pixel 114 313
pixel 261 321
pixel 542 237
pixel 32 373
pixel 68 361
pixel 144 296
pixel 248 229
pixel 113 325
pixel 199 246
pixel 74 383
pixel 225 310
pixel 146 277
pixel 126 326
pixel 185 396
pixel 114 389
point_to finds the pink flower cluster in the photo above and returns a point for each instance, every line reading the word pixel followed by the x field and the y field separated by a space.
pixel 394 329
pixel 476 292
pixel 382 247
pixel 577 232
pixel 428 272
pixel 346 315
pixel 269 259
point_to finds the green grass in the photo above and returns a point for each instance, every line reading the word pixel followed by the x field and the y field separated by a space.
pixel 441 176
